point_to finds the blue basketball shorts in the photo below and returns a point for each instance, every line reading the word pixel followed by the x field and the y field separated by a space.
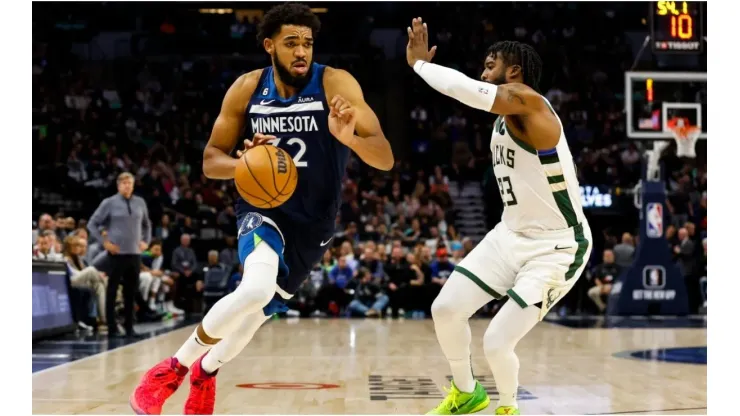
pixel 298 246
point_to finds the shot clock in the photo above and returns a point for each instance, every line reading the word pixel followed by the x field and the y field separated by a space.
pixel 676 26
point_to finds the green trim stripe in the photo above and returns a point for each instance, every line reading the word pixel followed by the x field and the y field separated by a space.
pixel 549 159
pixel 566 208
pixel 524 145
pixel 257 239
pixel 555 179
pixel 467 273
pixel 561 197
pixel 519 301
pixel 580 253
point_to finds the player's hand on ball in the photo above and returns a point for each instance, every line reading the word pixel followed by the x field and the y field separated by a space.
pixel 258 140
pixel 418 47
pixel 342 119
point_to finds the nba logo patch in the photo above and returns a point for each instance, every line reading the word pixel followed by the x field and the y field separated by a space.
pixel 654 220
pixel 653 277
pixel 250 222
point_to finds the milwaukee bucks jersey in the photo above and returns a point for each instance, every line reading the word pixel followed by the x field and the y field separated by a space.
pixel 539 189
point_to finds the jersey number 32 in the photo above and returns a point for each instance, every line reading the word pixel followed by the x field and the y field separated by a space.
pixel 301 150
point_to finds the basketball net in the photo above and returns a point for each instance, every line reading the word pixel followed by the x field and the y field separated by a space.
pixel 685 135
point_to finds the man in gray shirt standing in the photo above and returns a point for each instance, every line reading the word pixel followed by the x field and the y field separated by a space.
pixel 125 218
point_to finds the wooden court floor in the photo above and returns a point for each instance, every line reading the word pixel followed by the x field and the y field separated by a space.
pixel 395 367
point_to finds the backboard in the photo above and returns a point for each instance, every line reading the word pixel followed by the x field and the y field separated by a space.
pixel 652 99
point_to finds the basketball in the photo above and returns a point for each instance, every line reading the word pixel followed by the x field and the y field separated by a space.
pixel 266 176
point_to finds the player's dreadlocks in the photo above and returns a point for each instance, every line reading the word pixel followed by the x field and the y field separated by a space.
pixel 517 53
pixel 287 14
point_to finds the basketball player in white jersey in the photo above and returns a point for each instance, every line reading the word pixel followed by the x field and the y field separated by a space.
pixel 538 250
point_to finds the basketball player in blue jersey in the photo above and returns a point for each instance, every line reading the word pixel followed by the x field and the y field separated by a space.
pixel 315 113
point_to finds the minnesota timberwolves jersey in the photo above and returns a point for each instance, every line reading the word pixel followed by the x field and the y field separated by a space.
pixel 300 124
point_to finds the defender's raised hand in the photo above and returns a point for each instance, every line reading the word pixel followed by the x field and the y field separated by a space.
pixel 418 46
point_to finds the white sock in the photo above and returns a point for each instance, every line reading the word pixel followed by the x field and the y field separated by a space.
pixel 233 344
pixel 452 328
pixel 463 375
pixel 509 326
pixel 254 293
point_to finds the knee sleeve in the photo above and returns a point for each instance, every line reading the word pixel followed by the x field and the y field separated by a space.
pixel 258 283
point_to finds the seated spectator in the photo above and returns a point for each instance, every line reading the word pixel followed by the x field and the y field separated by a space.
pixel 183 267
pixel 341 274
pixel 229 256
pixel 215 282
pixel 452 236
pixel 84 276
pixel 328 261
pixel 417 286
pixel 306 299
pixel 442 268
pixel 46 222
pixel 412 235
pixel 155 285
pixel 370 261
pixel 369 299
pixel 333 296
pixel 44 248
pixel 603 278
pixel 346 251
pixel 399 276
pixel 457 252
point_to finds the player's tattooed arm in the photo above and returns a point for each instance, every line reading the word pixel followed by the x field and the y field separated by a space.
pixel 217 160
pixel 516 99
pixel 353 122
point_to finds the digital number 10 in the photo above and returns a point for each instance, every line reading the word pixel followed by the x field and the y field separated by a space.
pixel 682 27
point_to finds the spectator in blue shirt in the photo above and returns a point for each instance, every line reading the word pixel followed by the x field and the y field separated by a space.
pixel 341 274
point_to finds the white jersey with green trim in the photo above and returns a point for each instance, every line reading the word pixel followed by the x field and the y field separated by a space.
pixel 539 189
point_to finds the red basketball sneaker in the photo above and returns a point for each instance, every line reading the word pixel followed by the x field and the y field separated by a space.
pixel 202 397
pixel 157 386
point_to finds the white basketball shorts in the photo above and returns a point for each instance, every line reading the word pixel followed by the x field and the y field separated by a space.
pixel 530 267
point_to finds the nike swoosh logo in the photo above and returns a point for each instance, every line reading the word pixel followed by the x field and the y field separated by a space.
pixel 263 102
pixel 561 248
pixel 326 242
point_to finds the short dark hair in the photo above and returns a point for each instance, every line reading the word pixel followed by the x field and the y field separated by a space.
pixel 517 53
pixel 155 242
pixel 287 14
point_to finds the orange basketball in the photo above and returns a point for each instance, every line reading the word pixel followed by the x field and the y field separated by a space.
pixel 266 176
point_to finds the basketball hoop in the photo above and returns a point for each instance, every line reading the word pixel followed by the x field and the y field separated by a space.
pixel 685 135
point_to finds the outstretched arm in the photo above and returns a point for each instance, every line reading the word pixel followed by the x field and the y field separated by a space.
pixel 349 114
pixel 507 99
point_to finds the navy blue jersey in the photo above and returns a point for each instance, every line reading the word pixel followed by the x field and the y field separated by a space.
pixel 301 125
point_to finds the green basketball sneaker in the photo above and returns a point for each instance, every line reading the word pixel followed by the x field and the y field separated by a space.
pixel 459 403
pixel 507 410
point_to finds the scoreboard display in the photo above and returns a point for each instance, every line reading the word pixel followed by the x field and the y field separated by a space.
pixel 676 26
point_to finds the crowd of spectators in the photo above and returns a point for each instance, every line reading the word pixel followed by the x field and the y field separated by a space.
pixel 396 238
